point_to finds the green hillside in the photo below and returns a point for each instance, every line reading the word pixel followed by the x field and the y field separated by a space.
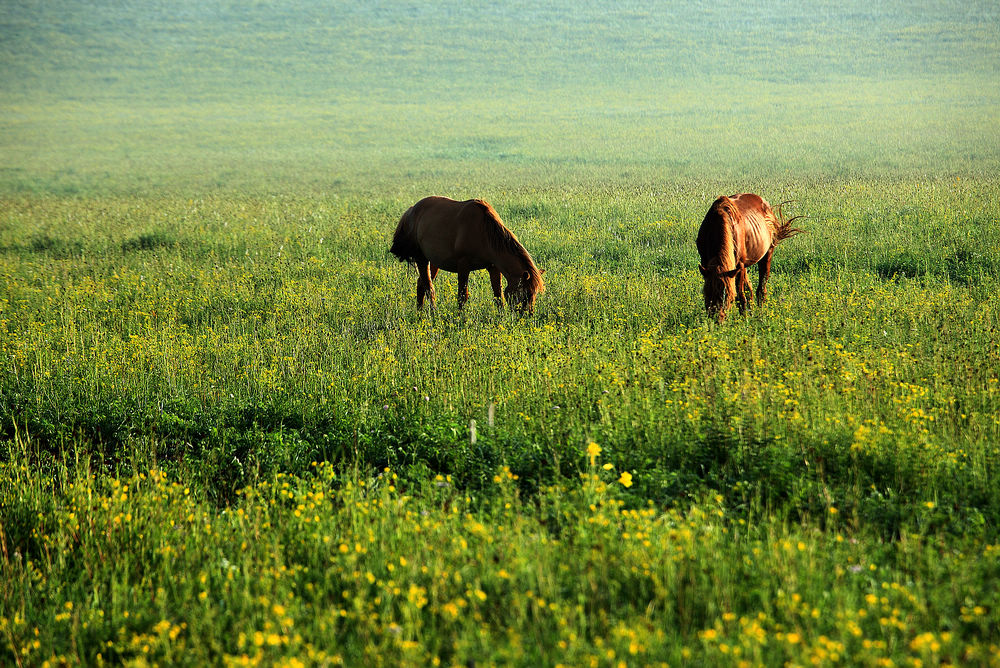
pixel 194 96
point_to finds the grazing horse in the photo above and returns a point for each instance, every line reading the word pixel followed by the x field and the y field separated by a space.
pixel 461 237
pixel 738 232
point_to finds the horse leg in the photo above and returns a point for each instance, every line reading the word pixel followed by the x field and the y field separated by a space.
pixel 424 284
pixel 463 286
pixel 763 272
pixel 742 287
pixel 495 282
pixel 433 274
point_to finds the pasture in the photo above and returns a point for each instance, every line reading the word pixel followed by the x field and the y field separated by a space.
pixel 227 436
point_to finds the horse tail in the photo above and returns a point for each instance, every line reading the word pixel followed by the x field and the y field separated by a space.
pixel 404 241
pixel 783 228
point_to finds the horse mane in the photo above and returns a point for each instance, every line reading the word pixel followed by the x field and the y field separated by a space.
pixel 715 238
pixel 404 245
pixel 501 239
pixel 717 247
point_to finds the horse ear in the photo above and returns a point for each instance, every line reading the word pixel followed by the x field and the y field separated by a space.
pixel 730 273
pixel 701 268
pixel 541 271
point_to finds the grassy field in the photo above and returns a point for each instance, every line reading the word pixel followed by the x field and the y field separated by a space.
pixel 228 437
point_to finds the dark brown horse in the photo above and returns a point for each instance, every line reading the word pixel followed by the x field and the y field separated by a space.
pixel 462 237
pixel 738 232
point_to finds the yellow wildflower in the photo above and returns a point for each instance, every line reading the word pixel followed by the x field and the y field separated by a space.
pixel 593 452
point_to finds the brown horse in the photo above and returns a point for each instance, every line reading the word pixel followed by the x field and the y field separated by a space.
pixel 738 232
pixel 462 237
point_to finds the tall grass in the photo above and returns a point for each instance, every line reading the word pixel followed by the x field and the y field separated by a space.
pixel 225 344
pixel 327 569
pixel 269 329
pixel 227 436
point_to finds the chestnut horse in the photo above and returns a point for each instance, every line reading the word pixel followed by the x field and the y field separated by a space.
pixel 462 237
pixel 738 232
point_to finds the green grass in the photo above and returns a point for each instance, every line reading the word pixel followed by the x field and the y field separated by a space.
pixel 326 569
pixel 236 339
pixel 227 435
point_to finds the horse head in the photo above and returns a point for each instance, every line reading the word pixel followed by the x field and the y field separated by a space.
pixel 521 293
pixel 720 288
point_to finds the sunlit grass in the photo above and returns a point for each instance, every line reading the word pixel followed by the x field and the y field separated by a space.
pixel 227 436
pixel 277 328
pixel 334 569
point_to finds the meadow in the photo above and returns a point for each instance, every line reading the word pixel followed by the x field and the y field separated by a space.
pixel 228 437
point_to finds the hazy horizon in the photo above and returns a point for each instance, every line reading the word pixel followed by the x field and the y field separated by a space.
pixel 193 96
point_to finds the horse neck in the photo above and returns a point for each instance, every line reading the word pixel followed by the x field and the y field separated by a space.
pixel 511 266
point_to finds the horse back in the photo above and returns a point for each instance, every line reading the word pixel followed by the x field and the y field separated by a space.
pixel 444 231
pixel 755 228
pixel 451 220
pixel 736 230
pixel 749 203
